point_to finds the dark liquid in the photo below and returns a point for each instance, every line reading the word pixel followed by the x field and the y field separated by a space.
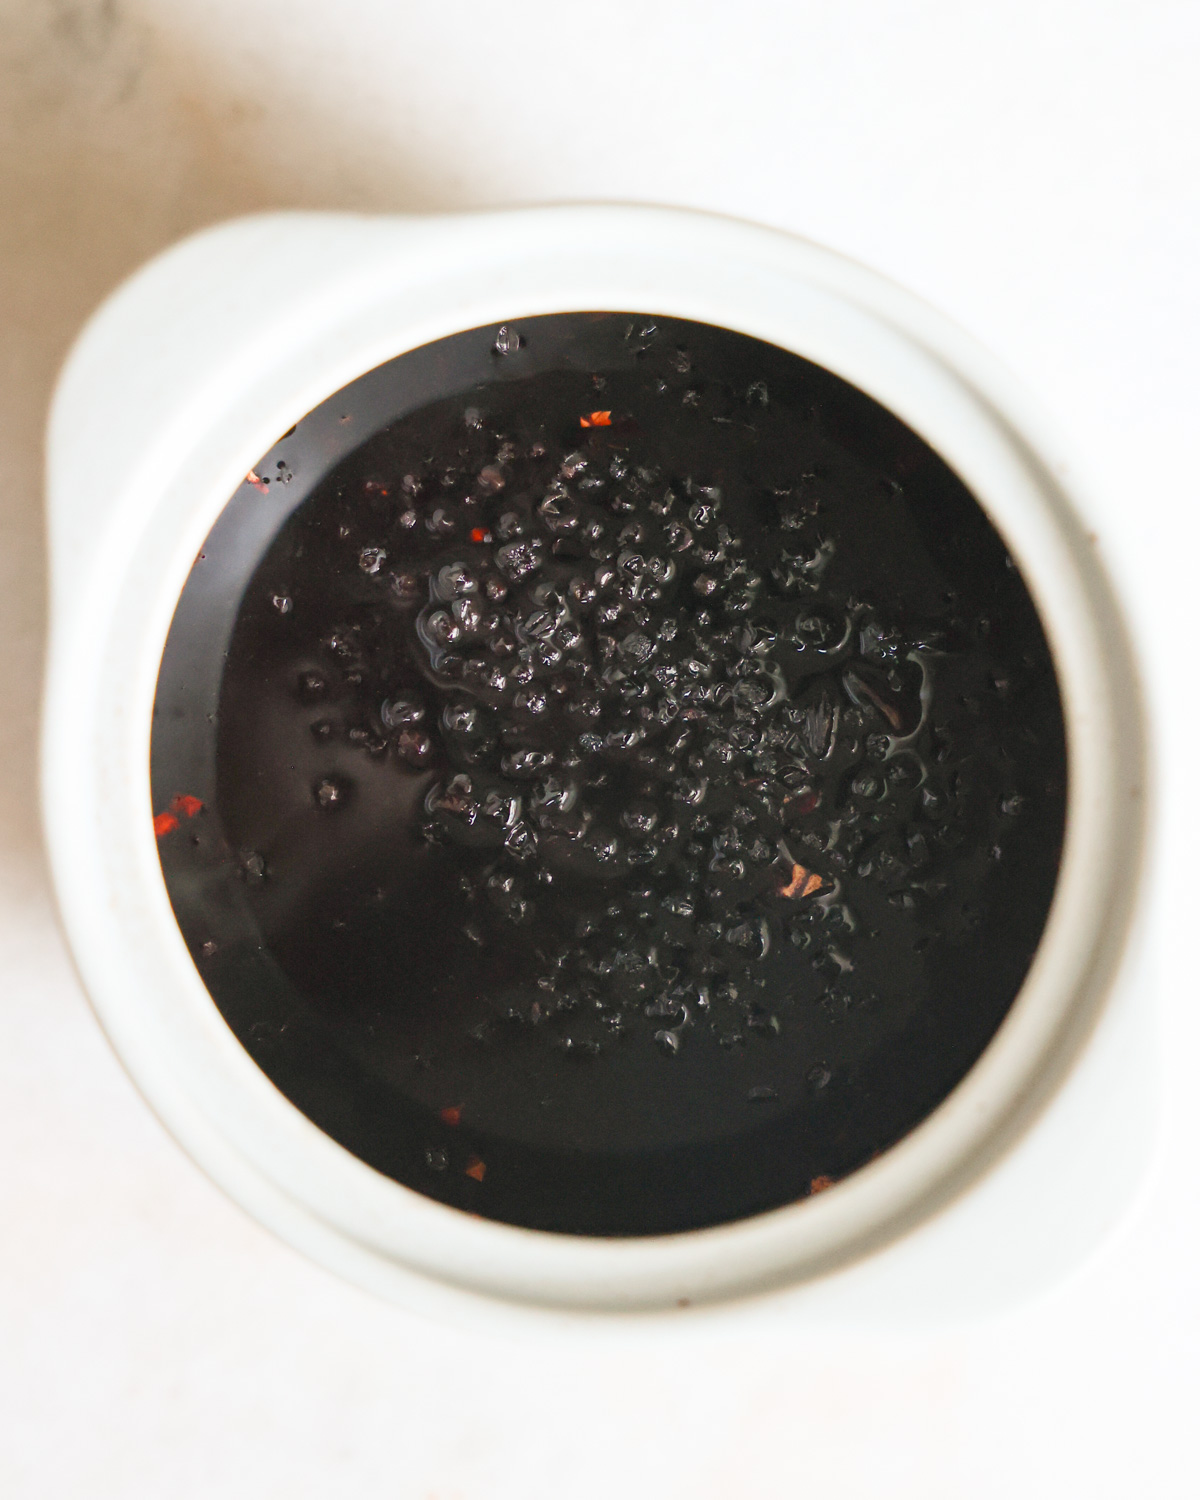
pixel 612 828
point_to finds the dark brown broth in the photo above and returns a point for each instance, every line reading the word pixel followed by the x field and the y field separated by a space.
pixel 612 828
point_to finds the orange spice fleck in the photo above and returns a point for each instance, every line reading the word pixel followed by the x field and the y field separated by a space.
pixel 475 1168
pixel 165 823
pixel 596 419
pixel 259 483
pixel 819 1184
pixel 478 534
pixel 889 711
pixel 802 883
pixel 188 806
pixel 451 1115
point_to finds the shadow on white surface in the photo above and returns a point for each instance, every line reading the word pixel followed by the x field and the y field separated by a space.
pixel 116 138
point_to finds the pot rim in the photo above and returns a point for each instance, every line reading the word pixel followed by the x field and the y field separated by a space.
pixel 392 284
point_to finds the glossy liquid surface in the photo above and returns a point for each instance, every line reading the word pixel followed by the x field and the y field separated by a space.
pixel 627 771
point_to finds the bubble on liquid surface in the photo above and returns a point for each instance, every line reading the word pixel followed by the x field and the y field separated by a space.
pixel 507 340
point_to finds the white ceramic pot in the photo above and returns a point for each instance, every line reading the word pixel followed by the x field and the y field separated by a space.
pixel 176 387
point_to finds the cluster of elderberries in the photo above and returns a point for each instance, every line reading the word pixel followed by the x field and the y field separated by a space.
pixel 659 745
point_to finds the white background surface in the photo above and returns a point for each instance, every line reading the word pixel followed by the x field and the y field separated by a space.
pixel 1032 168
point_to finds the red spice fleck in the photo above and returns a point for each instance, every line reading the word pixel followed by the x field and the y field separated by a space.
pixel 475 1168
pixel 165 823
pixel 259 483
pixel 188 806
pixel 805 803
pixel 819 1184
pixel 596 419
pixel 478 534
pixel 451 1115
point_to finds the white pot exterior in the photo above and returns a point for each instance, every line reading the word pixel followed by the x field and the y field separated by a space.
pixel 193 369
